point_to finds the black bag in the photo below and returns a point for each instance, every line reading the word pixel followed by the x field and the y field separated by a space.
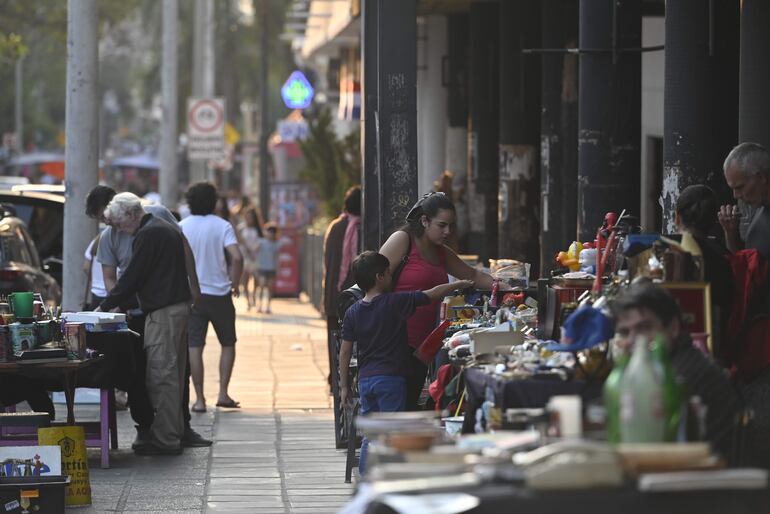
pixel 402 264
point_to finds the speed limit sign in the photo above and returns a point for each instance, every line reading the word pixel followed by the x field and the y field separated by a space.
pixel 205 128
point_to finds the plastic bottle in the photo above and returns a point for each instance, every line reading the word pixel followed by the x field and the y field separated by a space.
pixel 611 394
pixel 641 399
pixel 672 394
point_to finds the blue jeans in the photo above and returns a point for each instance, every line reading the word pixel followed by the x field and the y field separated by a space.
pixel 380 393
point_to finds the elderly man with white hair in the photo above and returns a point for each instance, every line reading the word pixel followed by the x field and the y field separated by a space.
pixel 157 275
pixel 747 172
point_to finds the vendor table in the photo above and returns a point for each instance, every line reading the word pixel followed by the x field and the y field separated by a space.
pixel 64 372
pixel 517 498
pixel 519 394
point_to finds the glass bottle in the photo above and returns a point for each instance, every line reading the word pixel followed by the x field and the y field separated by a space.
pixel 672 394
pixel 611 393
pixel 641 399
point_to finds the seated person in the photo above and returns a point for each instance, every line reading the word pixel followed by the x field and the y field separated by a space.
pixel 17 389
pixel 647 310
pixel 696 213
pixel 377 323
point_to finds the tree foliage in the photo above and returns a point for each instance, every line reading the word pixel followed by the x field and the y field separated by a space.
pixel 332 164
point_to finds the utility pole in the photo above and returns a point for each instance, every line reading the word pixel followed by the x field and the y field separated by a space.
pixel 203 68
pixel 169 187
pixel 19 108
pixel 264 180
pixel 82 144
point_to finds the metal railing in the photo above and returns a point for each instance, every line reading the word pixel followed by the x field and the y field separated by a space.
pixel 311 262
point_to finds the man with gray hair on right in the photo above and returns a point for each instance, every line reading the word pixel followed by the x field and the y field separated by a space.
pixel 747 172
pixel 157 275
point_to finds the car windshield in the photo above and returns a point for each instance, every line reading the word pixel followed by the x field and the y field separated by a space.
pixel 45 227
pixel 13 248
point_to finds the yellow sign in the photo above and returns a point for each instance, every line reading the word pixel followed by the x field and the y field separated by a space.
pixel 231 135
pixel 74 460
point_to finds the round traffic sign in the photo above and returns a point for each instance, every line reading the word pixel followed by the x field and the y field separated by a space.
pixel 206 116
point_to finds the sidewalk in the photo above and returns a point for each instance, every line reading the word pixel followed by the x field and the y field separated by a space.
pixel 275 454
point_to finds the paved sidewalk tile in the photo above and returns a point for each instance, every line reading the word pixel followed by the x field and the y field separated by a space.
pixel 274 454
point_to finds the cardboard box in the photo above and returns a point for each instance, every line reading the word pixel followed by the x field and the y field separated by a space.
pixel 486 341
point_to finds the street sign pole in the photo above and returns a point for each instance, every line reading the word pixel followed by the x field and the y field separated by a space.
pixel 169 187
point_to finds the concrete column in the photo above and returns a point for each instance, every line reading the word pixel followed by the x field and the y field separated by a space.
pixel 169 179
pixel 609 112
pixel 203 68
pixel 483 127
pixel 82 145
pixel 370 206
pixel 431 100
pixel 754 99
pixel 519 118
pixel 558 139
pixel 701 97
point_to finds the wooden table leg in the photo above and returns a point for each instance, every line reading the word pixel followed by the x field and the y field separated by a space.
pixel 69 395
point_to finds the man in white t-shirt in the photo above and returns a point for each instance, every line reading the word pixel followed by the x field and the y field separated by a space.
pixel 212 239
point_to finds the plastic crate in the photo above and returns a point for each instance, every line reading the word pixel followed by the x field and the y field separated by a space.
pixel 44 493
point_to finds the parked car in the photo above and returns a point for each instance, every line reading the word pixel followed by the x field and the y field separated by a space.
pixel 20 266
pixel 43 215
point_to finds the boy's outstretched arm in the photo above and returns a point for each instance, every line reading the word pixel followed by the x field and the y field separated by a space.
pixel 346 351
pixel 440 291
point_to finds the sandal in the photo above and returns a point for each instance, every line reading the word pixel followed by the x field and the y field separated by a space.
pixel 232 404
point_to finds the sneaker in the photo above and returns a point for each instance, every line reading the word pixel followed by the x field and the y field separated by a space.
pixel 192 439
pixel 142 437
pixel 121 400
pixel 151 449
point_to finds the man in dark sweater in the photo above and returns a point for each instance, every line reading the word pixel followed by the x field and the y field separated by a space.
pixel 157 275
pixel 646 310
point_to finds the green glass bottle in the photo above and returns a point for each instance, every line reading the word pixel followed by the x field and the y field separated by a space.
pixel 611 394
pixel 672 393
pixel 641 399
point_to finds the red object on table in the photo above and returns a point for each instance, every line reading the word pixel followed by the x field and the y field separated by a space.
pixel 430 346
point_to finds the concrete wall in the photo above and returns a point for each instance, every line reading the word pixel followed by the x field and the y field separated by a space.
pixel 431 101
pixel 653 67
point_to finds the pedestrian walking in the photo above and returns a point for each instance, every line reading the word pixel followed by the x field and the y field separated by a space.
pixel 211 237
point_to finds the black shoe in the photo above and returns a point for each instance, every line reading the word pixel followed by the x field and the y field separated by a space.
pixel 153 449
pixel 192 439
pixel 142 437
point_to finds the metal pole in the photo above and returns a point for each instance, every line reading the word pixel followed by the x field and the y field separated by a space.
pixel 168 137
pixel 203 73
pixel 19 110
pixel 82 146
pixel 264 180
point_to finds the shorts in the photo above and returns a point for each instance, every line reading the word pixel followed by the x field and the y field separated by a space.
pixel 266 274
pixel 250 266
pixel 220 311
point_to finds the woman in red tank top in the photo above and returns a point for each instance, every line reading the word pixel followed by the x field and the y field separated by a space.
pixel 430 260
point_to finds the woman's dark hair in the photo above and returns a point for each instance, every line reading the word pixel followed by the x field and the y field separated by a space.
pixel 97 200
pixel 202 198
pixel 352 203
pixel 429 206
pixel 367 266
pixel 646 295
pixel 697 207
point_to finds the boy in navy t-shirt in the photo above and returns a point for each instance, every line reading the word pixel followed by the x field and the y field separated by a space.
pixel 377 323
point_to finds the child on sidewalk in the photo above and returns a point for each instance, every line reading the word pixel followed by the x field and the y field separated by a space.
pixel 267 266
pixel 377 323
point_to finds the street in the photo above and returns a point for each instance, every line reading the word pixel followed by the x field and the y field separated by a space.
pixel 275 454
